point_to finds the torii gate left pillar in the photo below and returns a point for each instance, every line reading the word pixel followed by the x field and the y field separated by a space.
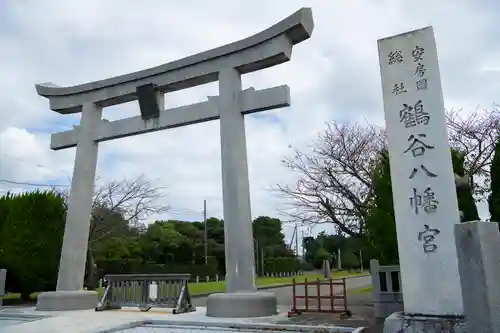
pixel 225 64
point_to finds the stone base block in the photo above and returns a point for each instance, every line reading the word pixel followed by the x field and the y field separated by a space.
pixel 242 305
pixel 398 322
pixel 67 300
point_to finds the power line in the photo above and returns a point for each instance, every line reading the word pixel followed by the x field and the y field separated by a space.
pixel 172 211
pixel 184 211
pixel 187 210
pixel 19 160
pixel 31 184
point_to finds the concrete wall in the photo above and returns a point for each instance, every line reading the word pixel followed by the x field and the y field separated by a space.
pixel 387 289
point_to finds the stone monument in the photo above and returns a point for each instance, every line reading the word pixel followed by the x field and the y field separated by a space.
pixel 226 64
pixel 327 271
pixel 425 201
pixel 478 245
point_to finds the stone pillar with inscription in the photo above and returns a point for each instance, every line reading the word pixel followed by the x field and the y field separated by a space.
pixel 425 201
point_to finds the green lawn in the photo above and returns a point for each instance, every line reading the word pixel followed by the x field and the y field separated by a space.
pixel 364 290
pixel 215 287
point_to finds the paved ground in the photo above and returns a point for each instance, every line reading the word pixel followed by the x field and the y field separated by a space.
pixel 284 294
pixel 360 305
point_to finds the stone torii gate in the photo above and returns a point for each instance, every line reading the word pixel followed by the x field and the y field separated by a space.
pixel 226 64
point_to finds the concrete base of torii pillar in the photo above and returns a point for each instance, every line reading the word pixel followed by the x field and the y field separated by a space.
pixel 242 305
pixel 67 300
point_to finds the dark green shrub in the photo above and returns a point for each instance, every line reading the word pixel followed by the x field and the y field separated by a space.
pixel 31 239
pixel 136 266
pixel 281 265
pixel 319 256
pixel 349 260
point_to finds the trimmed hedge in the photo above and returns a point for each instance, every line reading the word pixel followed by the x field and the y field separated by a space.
pixel 281 265
pixel 30 240
pixel 137 266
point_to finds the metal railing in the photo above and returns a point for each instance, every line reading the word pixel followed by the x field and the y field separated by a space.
pixel 146 291
pixel 387 291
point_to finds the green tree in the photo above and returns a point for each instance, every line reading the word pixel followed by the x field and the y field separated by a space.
pixel 118 248
pixel 310 245
pixel 191 248
pixel 267 232
pixel 331 243
pixel 494 198
pixel 381 223
pixel 31 239
pixel 349 260
pixel 319 256
pixel 160 242
pixel 4 208
pixel 215 234
pixel 465 198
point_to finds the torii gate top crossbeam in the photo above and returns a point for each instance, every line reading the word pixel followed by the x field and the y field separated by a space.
pixel 267 48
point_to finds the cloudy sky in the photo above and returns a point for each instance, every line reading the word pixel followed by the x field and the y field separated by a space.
pixel 332 76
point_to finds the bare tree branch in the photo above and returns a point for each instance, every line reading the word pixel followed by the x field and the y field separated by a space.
pixel 474 136
pixel 136 199
pixel 131 199
pixel 334 182
pixel 334 178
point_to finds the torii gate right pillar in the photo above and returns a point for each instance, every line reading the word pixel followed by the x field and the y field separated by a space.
pixel 240 266
pixel 241 299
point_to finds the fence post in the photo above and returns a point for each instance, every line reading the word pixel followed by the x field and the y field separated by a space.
pixel 306 294
pixel 345 294
pixel 3 276
pixel 318 294
pixel 374 271
pixel 332 294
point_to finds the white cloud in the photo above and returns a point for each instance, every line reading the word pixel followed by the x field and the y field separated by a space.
pixel 25 157
pixel 334 75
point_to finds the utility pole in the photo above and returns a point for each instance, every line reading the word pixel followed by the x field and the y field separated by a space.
pixel 262 259
pixel 257 266
pixel 296 241
pixel 338 259
pixel 303 247
pixel 206 230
